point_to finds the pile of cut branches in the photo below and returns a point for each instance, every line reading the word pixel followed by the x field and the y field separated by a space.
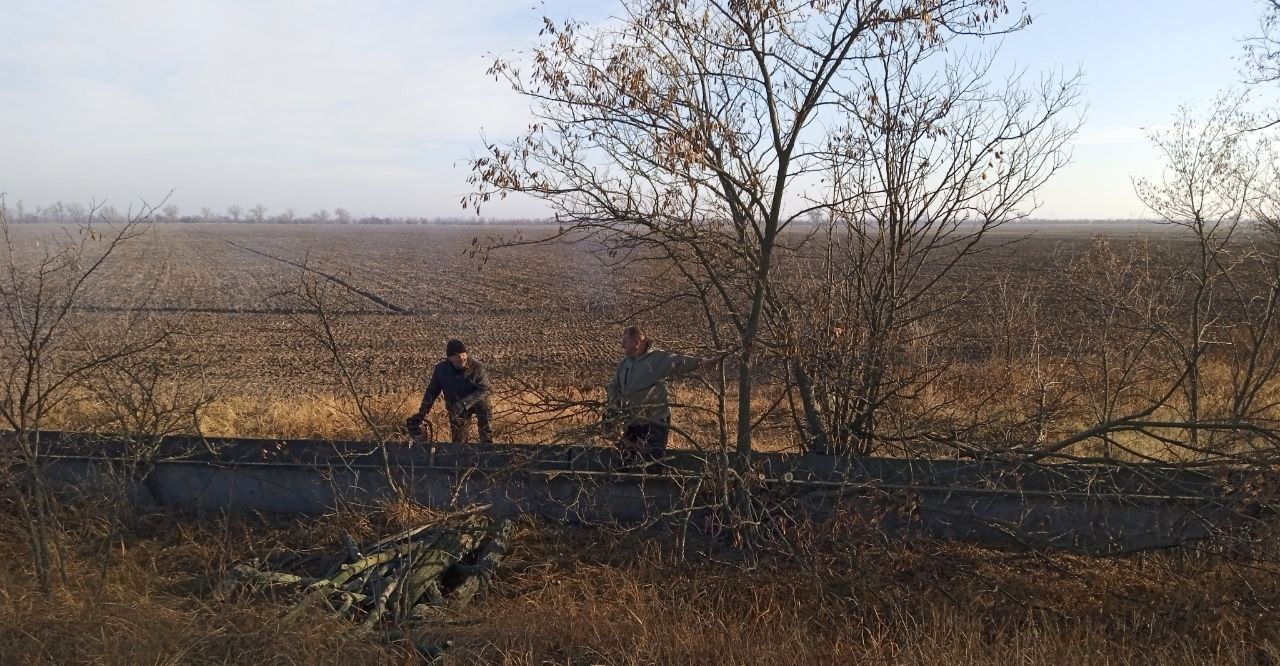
pixel 412 576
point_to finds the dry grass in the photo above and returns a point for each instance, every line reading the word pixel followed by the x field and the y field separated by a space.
pixel 150 598
pixel 600 596
pixel 875 602
pixel 518 417
pixel 999 399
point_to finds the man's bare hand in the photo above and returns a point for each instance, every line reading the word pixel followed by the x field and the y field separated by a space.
pixel 712 361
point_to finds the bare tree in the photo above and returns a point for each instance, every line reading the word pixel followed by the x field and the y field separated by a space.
pixel 321 298
pixel 1205 190
pixel 681 137
pixel 142 398
pixel 170 213
pixel 688 132
pixel 258 214
pixel 933 158
pixel 1185 355
pixel 235 213
pixel 1261 65
pixel 44 351
pixel 1262 51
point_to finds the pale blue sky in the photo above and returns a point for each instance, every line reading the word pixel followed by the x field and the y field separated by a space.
pixel 375 106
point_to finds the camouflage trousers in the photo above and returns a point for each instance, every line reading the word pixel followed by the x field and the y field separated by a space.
pixel 460 423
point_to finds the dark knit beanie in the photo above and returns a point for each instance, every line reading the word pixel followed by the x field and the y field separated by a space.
pixel 454 347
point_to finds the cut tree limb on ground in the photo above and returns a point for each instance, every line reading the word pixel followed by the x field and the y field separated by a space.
pixel 417 574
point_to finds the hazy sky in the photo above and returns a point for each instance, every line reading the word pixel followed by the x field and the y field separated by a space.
pixel 375 106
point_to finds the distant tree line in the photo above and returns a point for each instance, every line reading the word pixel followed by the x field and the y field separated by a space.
pixel 64 213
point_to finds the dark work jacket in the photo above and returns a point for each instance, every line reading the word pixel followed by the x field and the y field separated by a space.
pixel 468 386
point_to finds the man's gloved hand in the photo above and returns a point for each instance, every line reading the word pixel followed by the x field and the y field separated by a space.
pixel 413 425
pixel 458 407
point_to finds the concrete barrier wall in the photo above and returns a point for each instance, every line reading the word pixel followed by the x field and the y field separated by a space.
pixel 1080 507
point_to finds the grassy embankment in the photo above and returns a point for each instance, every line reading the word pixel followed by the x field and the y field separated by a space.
pixel 842 594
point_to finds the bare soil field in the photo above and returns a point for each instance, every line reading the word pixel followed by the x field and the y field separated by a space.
pixel 535 309
pixel 251 303
pixel 549 310
pixel 541 314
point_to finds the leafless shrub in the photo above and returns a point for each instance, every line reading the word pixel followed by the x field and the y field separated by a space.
pixel 45 353
pixel 921 176
pixel 1174 351
pixel 321 301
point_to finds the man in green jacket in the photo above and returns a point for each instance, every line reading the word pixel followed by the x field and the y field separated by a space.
pixel 637 394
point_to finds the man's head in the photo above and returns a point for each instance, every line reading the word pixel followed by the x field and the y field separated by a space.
pixel 456 352
pixel 634 342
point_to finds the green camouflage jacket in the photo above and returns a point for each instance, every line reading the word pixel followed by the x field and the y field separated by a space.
pixel 638 390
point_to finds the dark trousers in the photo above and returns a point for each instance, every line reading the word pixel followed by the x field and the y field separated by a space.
pixel 644 441
pixel 460 423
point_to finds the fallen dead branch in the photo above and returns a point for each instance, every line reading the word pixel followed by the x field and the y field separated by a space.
pixel 416 576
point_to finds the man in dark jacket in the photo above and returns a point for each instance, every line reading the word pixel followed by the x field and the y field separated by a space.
pixel 465 385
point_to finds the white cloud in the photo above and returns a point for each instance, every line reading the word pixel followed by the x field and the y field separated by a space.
pixel 118 98
pixel 374 106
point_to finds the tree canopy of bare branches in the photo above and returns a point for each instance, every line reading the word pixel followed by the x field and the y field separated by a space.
pixel 700 136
